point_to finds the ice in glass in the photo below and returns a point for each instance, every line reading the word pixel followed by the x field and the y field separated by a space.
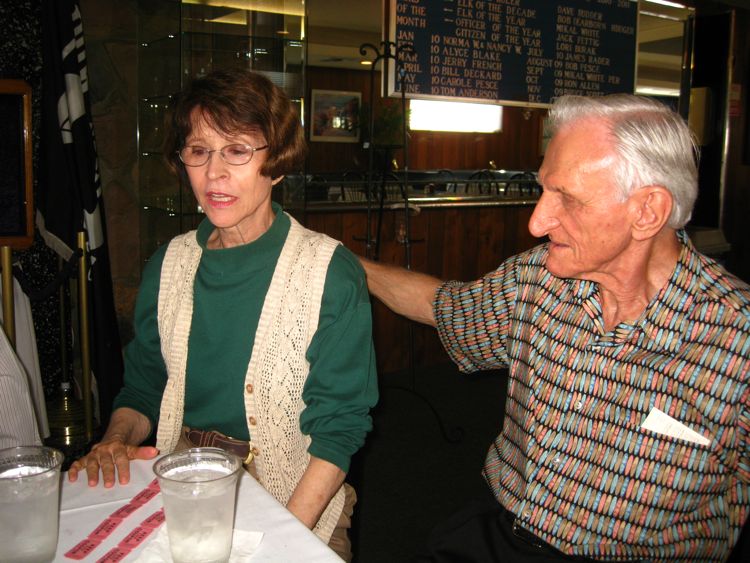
pixel 199 488
pixel 29 503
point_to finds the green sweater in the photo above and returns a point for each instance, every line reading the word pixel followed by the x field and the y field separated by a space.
pixel 230 287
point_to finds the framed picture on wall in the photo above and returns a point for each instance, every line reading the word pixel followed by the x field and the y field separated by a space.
pixel 16 192
pixel 335 116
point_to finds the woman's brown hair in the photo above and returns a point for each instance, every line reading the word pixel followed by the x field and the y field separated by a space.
pixel 237 102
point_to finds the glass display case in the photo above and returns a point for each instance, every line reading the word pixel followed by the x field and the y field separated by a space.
pixel 180 40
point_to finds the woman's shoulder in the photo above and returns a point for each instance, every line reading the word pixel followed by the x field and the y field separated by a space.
pixel 345 286
pixel 345 264
pixel 345 278
pixel 152 268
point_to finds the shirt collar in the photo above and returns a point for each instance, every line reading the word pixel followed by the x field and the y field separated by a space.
pixel 664 319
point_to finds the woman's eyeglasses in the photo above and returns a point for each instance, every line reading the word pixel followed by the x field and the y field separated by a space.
pixel 236 155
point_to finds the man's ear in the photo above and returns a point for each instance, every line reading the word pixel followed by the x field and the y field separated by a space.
pixel 276 180
pixel 652 206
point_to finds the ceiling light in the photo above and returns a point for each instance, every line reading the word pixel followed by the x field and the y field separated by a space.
pixel 661 16
pixel 272 6
pixel 657 91
pixel 238 17
pixel 667 3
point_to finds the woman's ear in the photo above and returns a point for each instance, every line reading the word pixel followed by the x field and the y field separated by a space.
pixel 653 205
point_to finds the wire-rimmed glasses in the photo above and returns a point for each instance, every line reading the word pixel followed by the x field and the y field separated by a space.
pixel 235 154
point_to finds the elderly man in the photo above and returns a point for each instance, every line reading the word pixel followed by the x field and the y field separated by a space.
pixel 627 424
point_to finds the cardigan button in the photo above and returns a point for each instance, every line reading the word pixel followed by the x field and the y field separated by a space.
pixel 252 420
pixel 255 451
pixel 249 387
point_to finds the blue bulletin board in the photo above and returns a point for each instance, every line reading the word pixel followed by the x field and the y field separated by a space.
pixel 514 52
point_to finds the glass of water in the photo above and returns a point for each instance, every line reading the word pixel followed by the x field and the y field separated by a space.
pixel 29 503
pixel 199 490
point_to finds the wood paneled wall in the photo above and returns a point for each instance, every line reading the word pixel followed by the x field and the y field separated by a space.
pixel 516 147
pixel 737 199
pixel 447 242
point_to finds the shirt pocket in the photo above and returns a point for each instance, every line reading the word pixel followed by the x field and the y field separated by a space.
pixel 667 477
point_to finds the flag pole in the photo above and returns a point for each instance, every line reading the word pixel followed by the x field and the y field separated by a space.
pixel 9 313
pixel 83 311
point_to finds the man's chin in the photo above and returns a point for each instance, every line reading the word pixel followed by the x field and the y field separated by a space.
pixel 557 268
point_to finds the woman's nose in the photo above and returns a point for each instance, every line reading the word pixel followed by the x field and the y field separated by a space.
pixel 215 167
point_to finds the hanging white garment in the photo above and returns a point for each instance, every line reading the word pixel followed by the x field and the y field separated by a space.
pixel 17 420
pixel 26 353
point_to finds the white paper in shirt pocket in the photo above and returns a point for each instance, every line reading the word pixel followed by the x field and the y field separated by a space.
pixel 660 422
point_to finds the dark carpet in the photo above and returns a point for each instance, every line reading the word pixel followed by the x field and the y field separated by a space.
pixel 411 475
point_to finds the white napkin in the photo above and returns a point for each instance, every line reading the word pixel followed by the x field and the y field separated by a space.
pixel 243 545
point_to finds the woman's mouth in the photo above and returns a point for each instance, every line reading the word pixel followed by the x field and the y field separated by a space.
pixel 218 199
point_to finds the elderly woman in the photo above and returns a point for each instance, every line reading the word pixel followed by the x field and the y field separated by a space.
pixel 251 326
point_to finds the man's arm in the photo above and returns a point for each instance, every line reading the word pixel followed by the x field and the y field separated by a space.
pixel 405 292
pixel 315 490
pixel 127 428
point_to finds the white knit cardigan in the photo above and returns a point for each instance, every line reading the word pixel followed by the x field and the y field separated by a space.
pixel 278 368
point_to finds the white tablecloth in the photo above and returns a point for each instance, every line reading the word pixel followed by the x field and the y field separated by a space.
pixel 83 508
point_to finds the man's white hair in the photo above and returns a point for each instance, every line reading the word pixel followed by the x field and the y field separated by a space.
pixel 653 143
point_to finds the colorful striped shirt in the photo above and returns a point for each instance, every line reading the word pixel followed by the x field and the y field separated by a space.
pixel 573 461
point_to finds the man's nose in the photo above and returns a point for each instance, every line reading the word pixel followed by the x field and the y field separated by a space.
pixel 544 218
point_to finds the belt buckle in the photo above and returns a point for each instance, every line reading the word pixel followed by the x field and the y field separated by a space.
pixel 237 447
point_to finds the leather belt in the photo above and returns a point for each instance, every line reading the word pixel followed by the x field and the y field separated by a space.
pixel 531 539
pixel 522 533
pixel 214 439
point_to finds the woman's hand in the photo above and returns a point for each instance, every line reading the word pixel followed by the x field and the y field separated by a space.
pixel 109 456
pixel 113 454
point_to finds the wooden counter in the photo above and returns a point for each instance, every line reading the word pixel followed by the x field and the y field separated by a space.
pixel 451 241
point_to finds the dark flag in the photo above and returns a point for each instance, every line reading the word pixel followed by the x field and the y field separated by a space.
pixel 69 192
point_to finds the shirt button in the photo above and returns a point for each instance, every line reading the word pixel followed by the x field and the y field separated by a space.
pixel 251 420
pixel 579 405
pixel 526 515
pixel 255 451
pixel 249 388
pixel 557 460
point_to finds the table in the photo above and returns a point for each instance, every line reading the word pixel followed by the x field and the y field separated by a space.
pixel 83 508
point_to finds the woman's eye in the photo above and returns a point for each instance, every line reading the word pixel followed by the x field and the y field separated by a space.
pixel 237 150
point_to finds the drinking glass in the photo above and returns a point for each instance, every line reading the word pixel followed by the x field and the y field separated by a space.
pixel 29 503
pixel 199 490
